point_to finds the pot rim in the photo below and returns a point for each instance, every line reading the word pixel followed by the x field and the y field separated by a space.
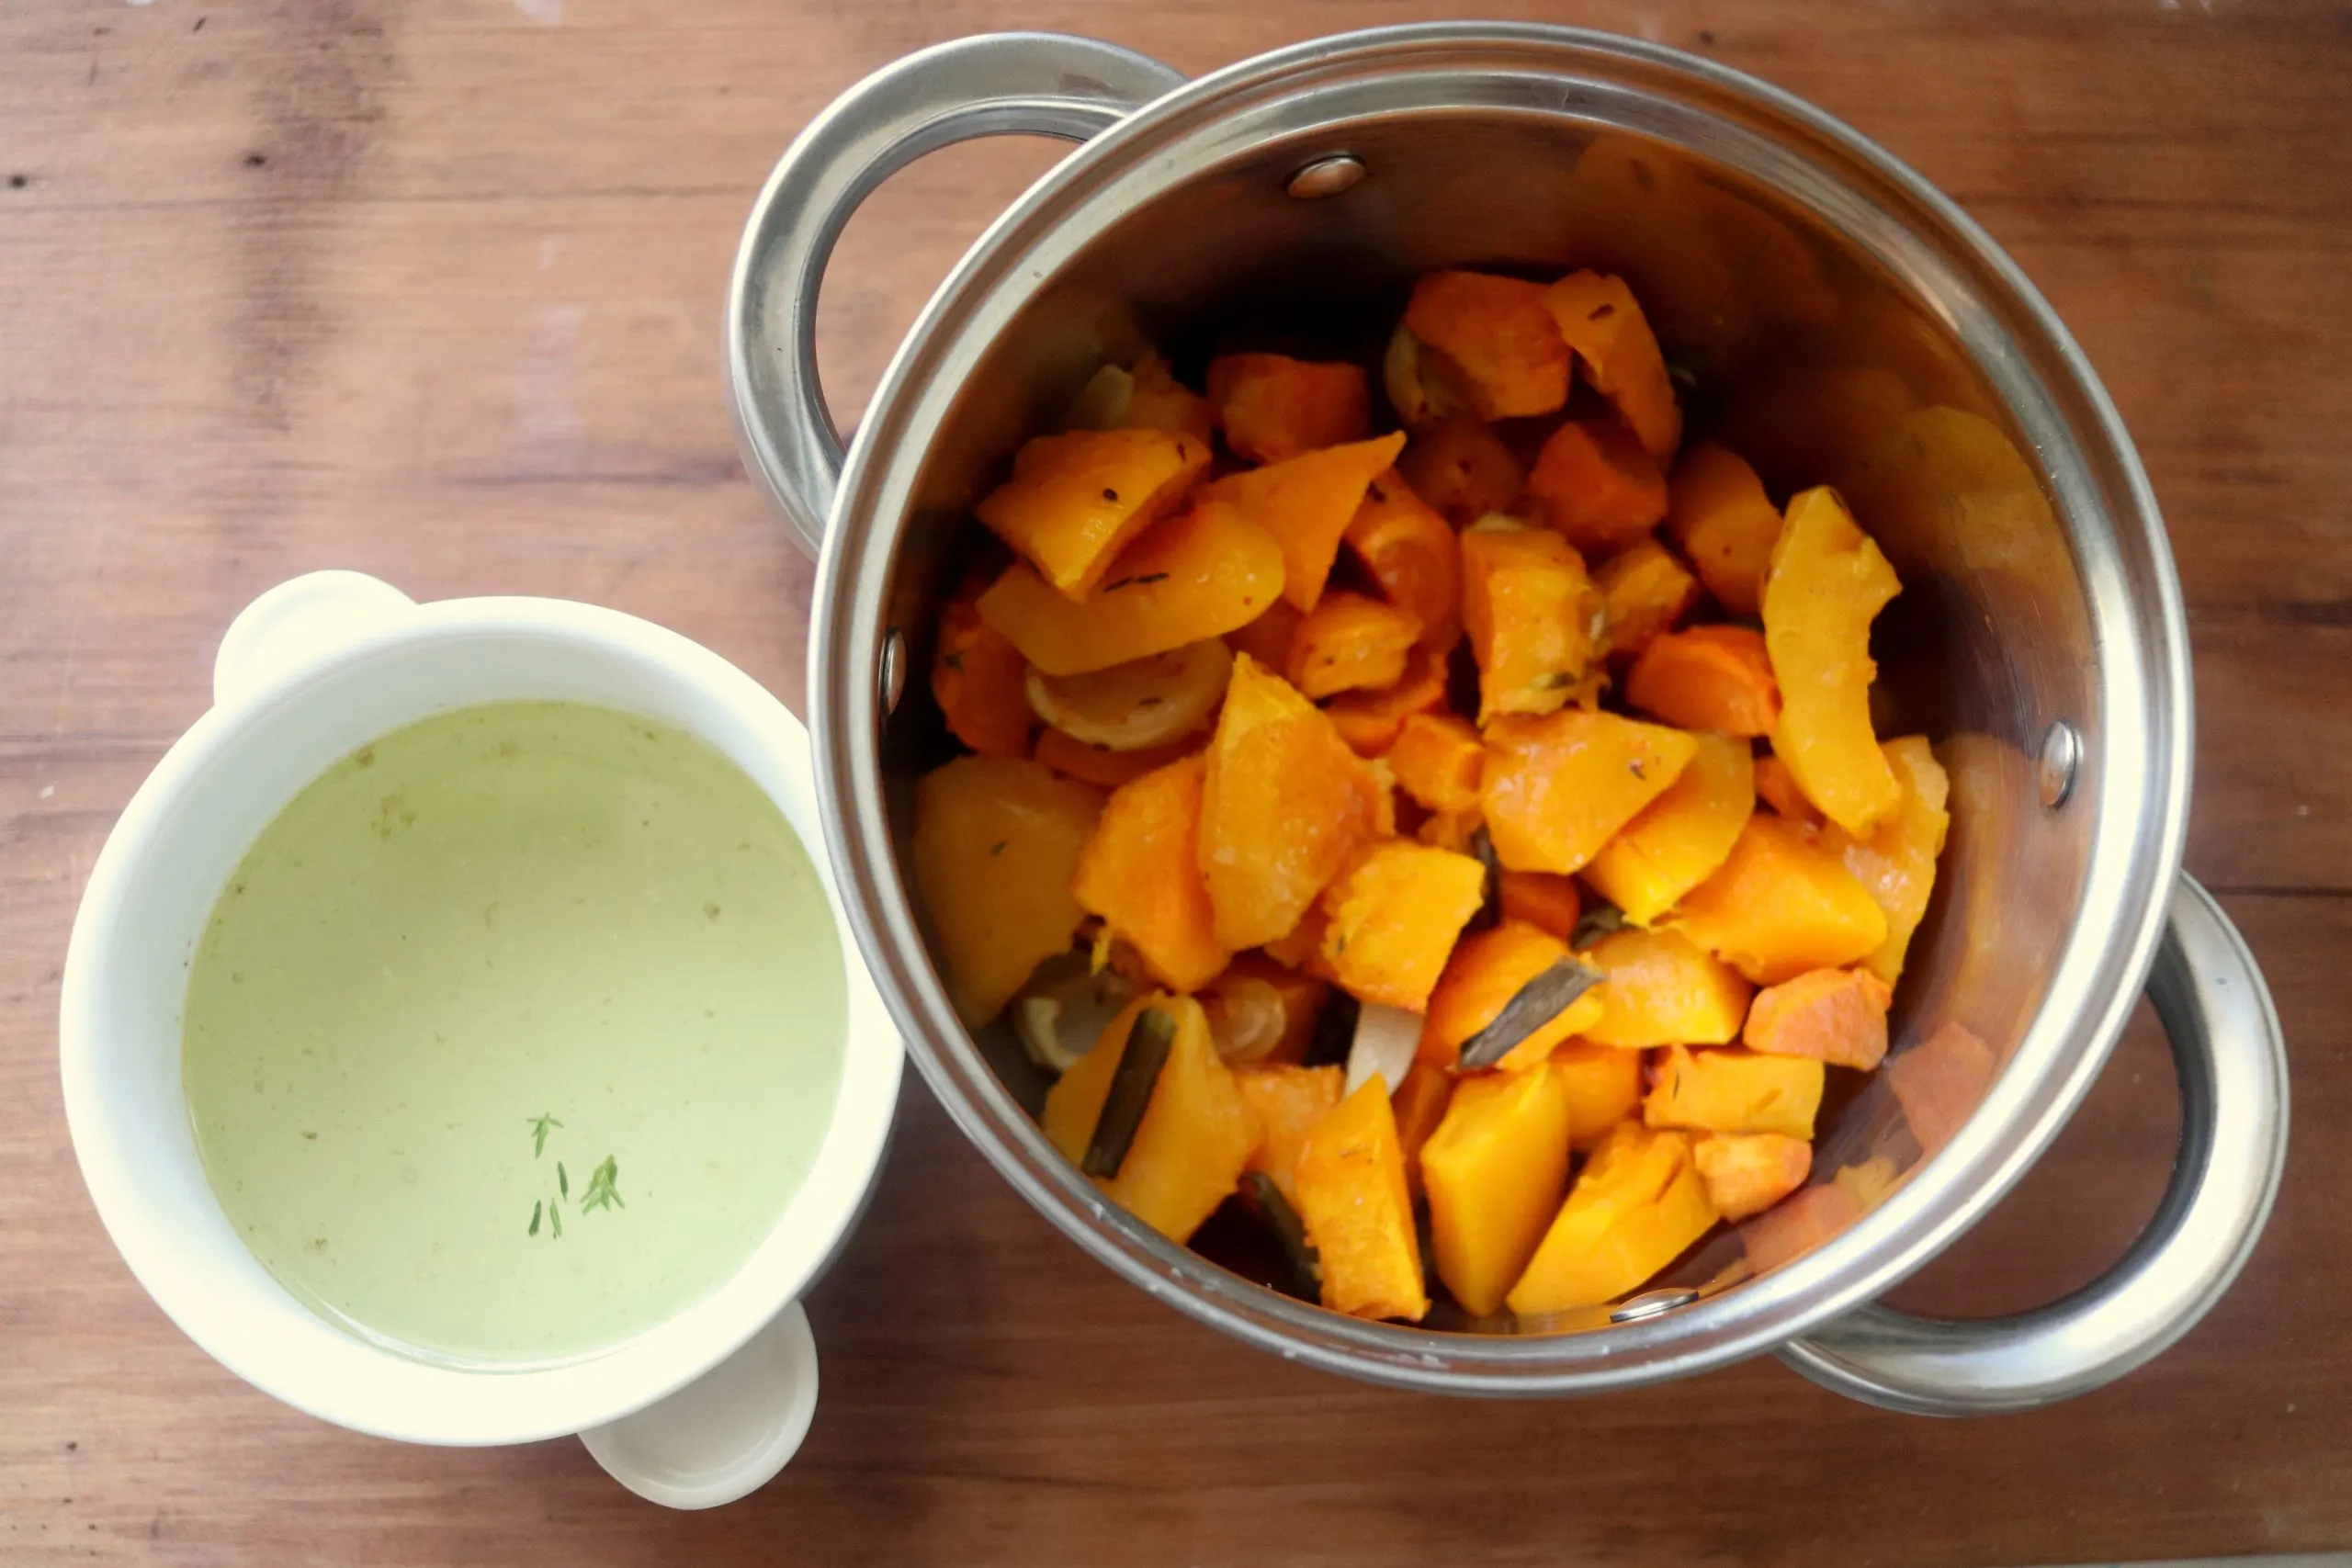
pixel 2136 775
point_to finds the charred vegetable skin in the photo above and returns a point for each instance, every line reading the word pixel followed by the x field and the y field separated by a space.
pixel 1474 834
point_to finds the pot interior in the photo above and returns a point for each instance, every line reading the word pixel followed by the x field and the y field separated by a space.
pixel 1821 356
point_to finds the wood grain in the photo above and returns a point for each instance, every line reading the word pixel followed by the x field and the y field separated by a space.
pixel 431 287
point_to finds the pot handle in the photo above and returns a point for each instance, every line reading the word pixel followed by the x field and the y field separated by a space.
pixel 2232 1059
pixel 993 84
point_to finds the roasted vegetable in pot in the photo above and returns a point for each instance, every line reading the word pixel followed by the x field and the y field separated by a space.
pixel 1532 613
pixel 1598 316
pixel 1272 407
pixel 1838 1016
pixel 996 842
pixel 1556 789
pixel 1682 838
pixel 1638 1203
pixel 1142 704
pixel 1411 551
pixel 1351 643
pixel 1289 1102
pixel 1543 899
pixel 1306 504
pixel 1501 350
pixel 1717 678
pixel 1717 511
pixel 1461 468
pixel 1896 860
pixel 978 680
pixel 1358 1212
pixel 1661 989
pixel 1829 582
pixel 1436 759
pixel 1782 904
pixel 1509 996
pixel 1596 485
pixel 1393 917
pixel 1077 499
pixel 1644 592
pixel 1371 721
pixel 1140 871
pixel 1735 1090
pixel 1144 398
pixel 1494 1170
pixel 1604 1087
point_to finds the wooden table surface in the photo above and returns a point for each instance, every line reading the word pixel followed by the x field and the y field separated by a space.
pixel 432 288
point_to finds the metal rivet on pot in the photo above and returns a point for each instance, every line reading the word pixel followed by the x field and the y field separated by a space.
pixel 2061 756
pixel 1327 177
pixel 894 670
pixel 1651 1303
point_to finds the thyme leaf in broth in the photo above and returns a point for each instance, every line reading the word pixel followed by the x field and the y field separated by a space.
pixel 535 1219
pixel 539 1126
pixel 601 1192
pixel 555 1217
pixel 563 1181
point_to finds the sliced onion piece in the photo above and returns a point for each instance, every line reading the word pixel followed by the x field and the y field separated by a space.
pixel 1246 1019
pixel 1386 1039
pixel 1065 1008
pixel 1145 702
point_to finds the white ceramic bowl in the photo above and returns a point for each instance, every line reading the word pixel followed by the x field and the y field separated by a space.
pixel 310 671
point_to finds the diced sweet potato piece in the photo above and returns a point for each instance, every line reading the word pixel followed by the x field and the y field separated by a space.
pixel 1531 614
pixel 1461 468
pixel 1371 721
pixel 1788 1231
pixel 1599 319
pixel 1682 838
pixel 1940 1081
pixel 1285 804
pixel 1273 407
pixel 1394 916
pixel 1141 873
pixel 1101 766
pixel 1498 334
pixel 1662 990
pixel 1735 1090
pixel 1358 1211
pixel 1267 639
pixel 1351 643
pixel 997 840
pixel 1598 487
pixel 1603 1086
pixel 1557 788
pixel 1780 905
pixel 979 679
pixel 1412 552
pixel 1838 1016
pixel 1306 504
pixel 1419 1105
pixel 1777 787
pixel 1829 582
pixel 1644 591
pixel 1495 1171
pixel 1486 972
pixel 1076 499
pixel 1896 860
pixel 1257 993
pixel 1747 1173
pixel 1712 677
pixel 1717 511
pixel 1638 1203
pixel 1196 1136
pixel 1288 1103
pixel 1436 759
pixel 1205 572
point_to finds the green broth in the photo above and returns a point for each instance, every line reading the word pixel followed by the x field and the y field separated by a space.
pixel 502 914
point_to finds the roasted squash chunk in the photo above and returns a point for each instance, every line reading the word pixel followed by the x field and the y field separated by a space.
pixel 1543 899
pixel 1461 468
pixel 1141 873
pixel 1369 722
pixel 1896 860
pixel 1533 615
pixel 1644 592
pixel 1489 971
pixel 1351 643
pixel 1497 338
pixel 1662 990
pixel 1289 1102
pixel 1601 319
pixel 1735 1090
pixel 979 679
pixel 1436 759
pixel 1682 838
pixel 1638 1203
pixel 1494 1170
pixel 1412 553
pixel 1716 677
pixel 1359 1211
pixel 1838 1016
pixel 1829 582
pixel 1782 904
pixel 1556 789
pixel 1598 487
pixel 1603 1086
pixel 1077 499
pixel 1717 511
pixel 1393 917
pixel 1306 504
pixel 1273 407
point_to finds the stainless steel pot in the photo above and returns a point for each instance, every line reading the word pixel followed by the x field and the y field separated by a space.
pixel 1842 322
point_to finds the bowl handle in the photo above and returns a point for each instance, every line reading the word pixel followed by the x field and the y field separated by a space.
pixel 726 1434
pixel 293 625
pixel 993 84
pixel 2232 1063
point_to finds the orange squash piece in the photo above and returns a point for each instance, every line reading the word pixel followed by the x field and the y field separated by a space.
pixel 1636 1206
pixel 1717 511
pixel 1712 677
pixel 1288 1103
pixel 1662 990
pixel 1780 905
pixel 1603 1086
pixel 1557 788
pixel 1351 643
pixel 1267 639
pixel 1682 837
pixel 1829 582
pixel 1777 787
pixel 978 678
pixel 1359 1211
pixel 1393 917
pixel 1148 396
pixel 1940 1081
pixel 1196 1136
pixel 996 842
pixel 1644 591
pixel 1076 499
pixel 1486 972
pixel 1532 616
pixel 1598 316
pixel 1141 873
pixel 1371 721
pixel 1284 805
pixel 1596 485
pixel 1455 830
pixel 1436 759
pixel 1496 333
pixel 1896 860
pixel 1419 1105
pixel 1302 948
pixel 1411 553
pixel 1838 1016
pixel 1747 1173
pixel 1543 899
pixel 1274 407
pixel 1306 504
pixel 1200 574
pixel 1253 984
pixel 1735 1091
pixel 1461 468
pixel 1101 766
pixel 1495 1171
